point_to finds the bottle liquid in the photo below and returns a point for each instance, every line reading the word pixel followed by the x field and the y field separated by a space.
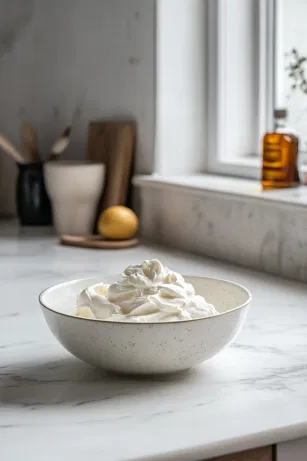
pixel 280 155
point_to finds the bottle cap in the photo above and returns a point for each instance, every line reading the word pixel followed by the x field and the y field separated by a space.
pixel 280 113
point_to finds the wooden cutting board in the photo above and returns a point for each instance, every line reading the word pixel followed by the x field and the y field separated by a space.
pixel 96 241
pixel 112 143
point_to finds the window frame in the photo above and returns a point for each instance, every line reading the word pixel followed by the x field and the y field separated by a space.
pixel 264 41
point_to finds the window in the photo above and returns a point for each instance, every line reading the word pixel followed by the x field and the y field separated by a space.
pixel 241 38
pixel 230 74
pixel 291 69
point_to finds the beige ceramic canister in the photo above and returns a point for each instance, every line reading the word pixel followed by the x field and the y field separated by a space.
pixel 74 189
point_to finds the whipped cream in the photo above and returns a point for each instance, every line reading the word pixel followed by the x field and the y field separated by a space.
pixel 147 292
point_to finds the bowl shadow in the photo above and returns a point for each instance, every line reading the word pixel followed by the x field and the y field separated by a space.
pixel 70 381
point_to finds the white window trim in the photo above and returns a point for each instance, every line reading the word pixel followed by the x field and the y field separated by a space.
pixel 217 142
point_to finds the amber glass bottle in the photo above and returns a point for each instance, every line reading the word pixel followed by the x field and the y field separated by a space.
pixel 280 155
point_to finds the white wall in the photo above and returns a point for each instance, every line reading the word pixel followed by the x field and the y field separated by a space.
pixel 56 54
pixel 181 87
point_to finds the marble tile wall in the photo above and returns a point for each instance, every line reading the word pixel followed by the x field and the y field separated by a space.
pixel 264 236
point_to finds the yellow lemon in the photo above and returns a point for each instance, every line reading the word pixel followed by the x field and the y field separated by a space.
pixel 117 223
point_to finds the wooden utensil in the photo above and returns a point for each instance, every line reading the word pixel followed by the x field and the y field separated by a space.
pixel 60 145
pixel 8 147
pixel 112 143
pixel 29 141
pixel 96 241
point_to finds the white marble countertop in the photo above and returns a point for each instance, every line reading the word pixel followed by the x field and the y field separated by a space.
pixel 53 406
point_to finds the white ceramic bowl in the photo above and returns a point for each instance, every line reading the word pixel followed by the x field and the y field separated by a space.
pixel 147 348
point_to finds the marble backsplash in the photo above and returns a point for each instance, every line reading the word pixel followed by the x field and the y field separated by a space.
pixel 262 235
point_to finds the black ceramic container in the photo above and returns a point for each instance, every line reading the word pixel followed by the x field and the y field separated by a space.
pixel 33 205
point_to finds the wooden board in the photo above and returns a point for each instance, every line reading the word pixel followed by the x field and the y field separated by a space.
pixel 258 454
pixel 96 241
pixel 112 143
pixel 96 142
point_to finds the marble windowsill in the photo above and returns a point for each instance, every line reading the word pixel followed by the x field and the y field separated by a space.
pixel 229 219
pixel 246 189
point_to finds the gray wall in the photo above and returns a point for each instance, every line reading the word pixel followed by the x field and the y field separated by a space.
pixel 56 55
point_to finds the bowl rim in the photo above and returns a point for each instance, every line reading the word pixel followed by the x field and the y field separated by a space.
pixel 247 302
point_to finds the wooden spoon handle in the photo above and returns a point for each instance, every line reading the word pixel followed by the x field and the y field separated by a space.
pixel 29 141
pixel 10 149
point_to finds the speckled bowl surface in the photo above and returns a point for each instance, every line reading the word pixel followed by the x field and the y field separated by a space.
pixel 146 348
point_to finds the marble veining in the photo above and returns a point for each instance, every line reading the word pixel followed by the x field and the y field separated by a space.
pixel 53 406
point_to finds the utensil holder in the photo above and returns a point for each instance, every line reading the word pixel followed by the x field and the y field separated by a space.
pixel 74 189
pixel 33 205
